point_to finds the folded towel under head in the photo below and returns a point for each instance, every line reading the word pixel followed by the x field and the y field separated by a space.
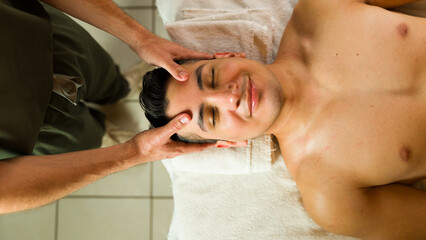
pixel 255 31
pixel 172 11
pixel 249 31
pixel 254 158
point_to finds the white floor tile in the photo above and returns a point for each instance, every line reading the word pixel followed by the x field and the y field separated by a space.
pixel 120 52
pixel 132 182
pixel 104 219
pixel 163 212
pixel 160 29
pixel 36 224
pixel 162 185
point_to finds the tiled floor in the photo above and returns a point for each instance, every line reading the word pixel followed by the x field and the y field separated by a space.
pixel 133 204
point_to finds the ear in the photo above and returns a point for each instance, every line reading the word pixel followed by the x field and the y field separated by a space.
pixel 229 54
pixel 228 144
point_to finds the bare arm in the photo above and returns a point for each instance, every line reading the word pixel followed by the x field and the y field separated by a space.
pixel 387 212
pixel 31 181
pixel 106 15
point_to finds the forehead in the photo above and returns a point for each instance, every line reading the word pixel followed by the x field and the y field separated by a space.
pixel 185 96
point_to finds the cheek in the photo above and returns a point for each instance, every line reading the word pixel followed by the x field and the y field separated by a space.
pixel 236 128
pixel 230 69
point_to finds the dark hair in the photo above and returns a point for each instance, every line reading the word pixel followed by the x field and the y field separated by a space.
pixel 153 97
pixel 153 101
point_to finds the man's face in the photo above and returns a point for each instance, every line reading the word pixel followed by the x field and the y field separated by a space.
pixel 230 99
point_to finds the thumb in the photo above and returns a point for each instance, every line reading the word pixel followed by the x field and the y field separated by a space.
pixel 174 126
pixel 176 71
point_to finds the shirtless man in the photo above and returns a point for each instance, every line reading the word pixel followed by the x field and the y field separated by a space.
pixel 346 99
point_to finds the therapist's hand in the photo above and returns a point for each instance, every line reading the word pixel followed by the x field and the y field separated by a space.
pixel 106 15
pixel 155 144
pixel 229 54
pixel 161 52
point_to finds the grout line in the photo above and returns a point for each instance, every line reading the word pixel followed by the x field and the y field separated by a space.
pixel 161 197
pixel 151 201
pixel 151 180
pixel 151 219
pixel 153 21
pixel 56 220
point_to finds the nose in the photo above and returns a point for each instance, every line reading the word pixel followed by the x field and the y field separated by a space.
pixel 228 97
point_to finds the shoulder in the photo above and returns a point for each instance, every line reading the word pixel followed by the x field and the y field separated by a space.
pixel 311 15
pixel 322 8
pixel 328 3
pixel 337 209
pixel 332 199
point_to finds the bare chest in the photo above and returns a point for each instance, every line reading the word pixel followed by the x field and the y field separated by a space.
pixel 369 49
pixel 369 139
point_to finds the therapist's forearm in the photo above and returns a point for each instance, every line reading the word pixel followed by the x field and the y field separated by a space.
pixel 105 15
pixel 32 181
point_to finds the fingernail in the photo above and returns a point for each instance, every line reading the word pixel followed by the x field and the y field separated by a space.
pixel 184 120
pixel 221 146
pixel 183 75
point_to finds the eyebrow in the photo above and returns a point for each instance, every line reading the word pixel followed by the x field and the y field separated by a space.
pixel 198 74
pixel 201 118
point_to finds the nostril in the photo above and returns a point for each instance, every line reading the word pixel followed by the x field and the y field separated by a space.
pixel 238 103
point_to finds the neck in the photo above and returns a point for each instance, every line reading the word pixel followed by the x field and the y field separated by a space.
pixel 292 74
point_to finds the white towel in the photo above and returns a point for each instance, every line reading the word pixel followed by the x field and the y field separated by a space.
pixel 250 31
pixel 171 11
pixel 254 158
pixel 250 207
pixel 255 31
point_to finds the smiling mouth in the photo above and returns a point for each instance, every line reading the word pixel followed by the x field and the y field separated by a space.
pixel 252 96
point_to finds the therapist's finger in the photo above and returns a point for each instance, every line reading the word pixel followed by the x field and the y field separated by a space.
pixel 176 70
pixel 174 126
pixel 180 148
pixel 229 54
